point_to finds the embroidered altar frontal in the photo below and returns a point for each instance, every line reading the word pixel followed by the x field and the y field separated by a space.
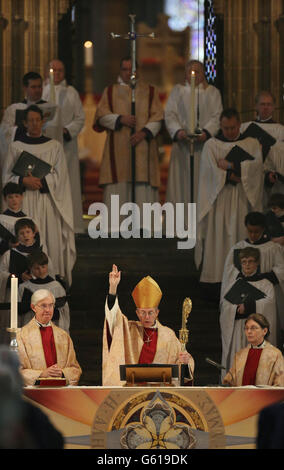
pixel 155 418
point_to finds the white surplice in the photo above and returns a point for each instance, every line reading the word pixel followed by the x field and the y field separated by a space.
pixel 70 115
pixel 8 122
pixel 52 211
pixel 232 330
pixel 177 116
pixel 274 160
pixel 221 207
pixel 271 259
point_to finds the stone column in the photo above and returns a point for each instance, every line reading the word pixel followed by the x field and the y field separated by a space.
pixel 28 29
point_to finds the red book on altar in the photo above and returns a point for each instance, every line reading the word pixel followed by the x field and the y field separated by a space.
pixel 51 382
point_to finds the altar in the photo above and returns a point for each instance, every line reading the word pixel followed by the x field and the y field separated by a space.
pixel 155 418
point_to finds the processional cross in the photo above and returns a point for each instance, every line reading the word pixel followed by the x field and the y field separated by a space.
pixel 132 35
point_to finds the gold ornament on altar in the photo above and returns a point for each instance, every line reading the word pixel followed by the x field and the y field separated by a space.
pixel 183 332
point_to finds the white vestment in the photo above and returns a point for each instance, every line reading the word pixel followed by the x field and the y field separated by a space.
pixel 9 221
pixel 70 116
pixel 57 290
pixel 5 273
pixel 275 129
pixel 9 117
pixel 177 116
pixel 221 207
pixel 232 329
pixel 53 210
pixel 274 160
pixel 271 259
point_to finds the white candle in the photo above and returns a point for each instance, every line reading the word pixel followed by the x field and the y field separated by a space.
pixel 14 302
pixel 88 48
pixel 192 103
pixel 52 89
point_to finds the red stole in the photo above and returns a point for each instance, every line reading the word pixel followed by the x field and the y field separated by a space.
pixel 149 348
pixel 48 345
pixel 251 366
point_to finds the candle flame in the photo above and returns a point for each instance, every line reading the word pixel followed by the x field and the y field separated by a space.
pixel 51 70
pixel 88 44
pixel 193 73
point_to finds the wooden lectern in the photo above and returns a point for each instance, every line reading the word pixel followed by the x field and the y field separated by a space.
pixel 142 375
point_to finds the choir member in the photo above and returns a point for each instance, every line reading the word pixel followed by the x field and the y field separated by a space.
pixel 47 199
pixel 71 118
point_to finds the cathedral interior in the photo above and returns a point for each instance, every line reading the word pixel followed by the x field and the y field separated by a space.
pixel 240 45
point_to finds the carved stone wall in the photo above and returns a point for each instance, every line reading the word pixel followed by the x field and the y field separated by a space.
pixel 253 52
pixel 28 35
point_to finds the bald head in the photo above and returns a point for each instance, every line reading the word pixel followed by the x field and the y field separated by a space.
pixel 58 70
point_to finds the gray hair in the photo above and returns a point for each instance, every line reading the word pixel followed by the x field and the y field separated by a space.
pixel 41 294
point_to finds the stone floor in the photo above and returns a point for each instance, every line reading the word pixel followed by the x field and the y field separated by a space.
pixel 175 272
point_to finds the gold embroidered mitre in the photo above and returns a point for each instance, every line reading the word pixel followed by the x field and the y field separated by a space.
pixel 147 293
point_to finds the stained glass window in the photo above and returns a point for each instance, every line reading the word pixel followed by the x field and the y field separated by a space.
pixel 190 13
pixel 210 61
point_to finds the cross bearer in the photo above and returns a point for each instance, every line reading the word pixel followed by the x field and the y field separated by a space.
pixel 126 131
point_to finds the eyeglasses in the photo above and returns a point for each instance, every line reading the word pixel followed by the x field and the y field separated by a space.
pixel 45 306
pixel 252 328
pixel 150 314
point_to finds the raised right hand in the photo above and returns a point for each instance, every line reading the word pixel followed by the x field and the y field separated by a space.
pixel 114 279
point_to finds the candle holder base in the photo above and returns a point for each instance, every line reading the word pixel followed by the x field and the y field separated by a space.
pixel 13 334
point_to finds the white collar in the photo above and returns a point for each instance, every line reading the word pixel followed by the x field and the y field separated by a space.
pixel 260 346
pixel 41 324
pixel 264 120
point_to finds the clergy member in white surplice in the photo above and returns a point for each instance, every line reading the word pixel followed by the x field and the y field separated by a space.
pixel 178 119
pixel 47 200
pixel 271 266
pixel 71 118
pixel 246 294
pixel 274 170
pixel 228 191
pixel 264 106
pixel 12 124
pixel 272 142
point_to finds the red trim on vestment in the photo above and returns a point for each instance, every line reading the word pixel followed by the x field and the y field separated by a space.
pixel 251 366
pixel 149 349
pixel 48 345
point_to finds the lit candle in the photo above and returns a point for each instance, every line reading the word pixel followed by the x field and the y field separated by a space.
pixel 88 47
pixel 14 302
pixel 52 89
pixel 192 103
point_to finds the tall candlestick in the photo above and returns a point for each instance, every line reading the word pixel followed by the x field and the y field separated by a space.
pixel 88 48
pixel 52 88
pixel 192 103
pixel 14 302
